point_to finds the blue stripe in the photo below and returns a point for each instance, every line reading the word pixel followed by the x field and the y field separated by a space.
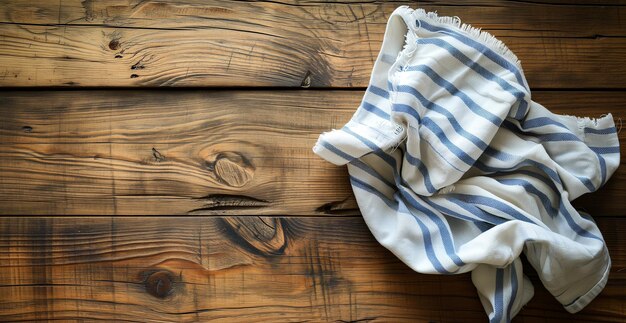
pixel 605 131
pixel 540 122
pixel 370 144
pixel 544 180
pixel 389 159
pixel 562 208
pixel 474 66
pixel 587 182
pixel 400 207
pixel 428 244
pixel 503 156
pixel 378 91
pixel 541 178
pixel 544 121
pixel 427 237
pixel 392 161
pixel 498 301
pixel 439 109
pixel 522 110
pixel 480 223
pixel 481 214
pixel 575 226
pixel 443 158
pixel 438 132
pixel 557 136
pixel 404 108
pixel 605 150
pixel 509 210
pixel 458 152
pixel 366 187
pixel 514 288
pixel 421 167
pixel 456 92
pixel 336 150
pixel 486 51
pixel 361 165
pixel 562 136
pixel 528 187
pixel 375 110
pixel 495 204
pixel 446 236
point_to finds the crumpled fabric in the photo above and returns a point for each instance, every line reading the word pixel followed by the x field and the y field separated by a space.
pixel 456 169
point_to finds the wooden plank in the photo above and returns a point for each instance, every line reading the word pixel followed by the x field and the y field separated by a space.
pixel 201 152
pixel 290 43
pixel 551 17
pixel 251 269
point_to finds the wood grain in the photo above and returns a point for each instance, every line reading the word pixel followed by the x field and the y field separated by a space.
pixel 244 152
pixel 284 43
pixel 202 152
pixel 250 269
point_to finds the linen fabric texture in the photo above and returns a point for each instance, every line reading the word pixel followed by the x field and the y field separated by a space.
pixel 456 169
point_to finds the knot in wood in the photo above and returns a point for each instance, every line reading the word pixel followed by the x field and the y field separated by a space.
pixel 114 44
pixel 159 284
pixel 262 235
pixel 232 169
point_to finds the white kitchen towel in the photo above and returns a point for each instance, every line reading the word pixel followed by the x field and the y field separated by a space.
pixel 456 169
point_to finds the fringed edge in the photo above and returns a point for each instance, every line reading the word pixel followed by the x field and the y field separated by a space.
pixel 475 33
pixel 410 44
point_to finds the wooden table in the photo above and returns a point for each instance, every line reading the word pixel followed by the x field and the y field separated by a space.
pixel 156 164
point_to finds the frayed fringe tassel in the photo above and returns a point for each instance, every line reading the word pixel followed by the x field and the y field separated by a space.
pixel 410 44
pixel 475 33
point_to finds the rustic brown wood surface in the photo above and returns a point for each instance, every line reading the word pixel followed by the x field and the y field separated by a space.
pixel 275 234
pixel 245 269
pixel 177 152
pixel 284 43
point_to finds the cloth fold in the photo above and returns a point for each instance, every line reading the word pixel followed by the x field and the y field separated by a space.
pixel 455 168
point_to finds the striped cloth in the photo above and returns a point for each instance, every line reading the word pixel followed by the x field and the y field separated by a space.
pixel 456 169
